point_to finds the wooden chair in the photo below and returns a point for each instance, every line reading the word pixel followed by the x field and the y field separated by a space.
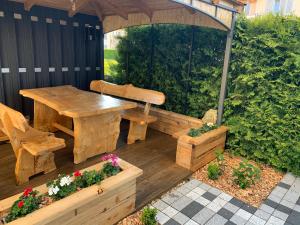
pixel 139 119
pixel 33 149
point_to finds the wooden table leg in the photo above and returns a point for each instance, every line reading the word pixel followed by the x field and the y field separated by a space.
pixel 45 117
pixel 95 135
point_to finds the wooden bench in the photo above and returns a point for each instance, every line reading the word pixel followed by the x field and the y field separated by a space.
pixel 139 119
pixel 33 149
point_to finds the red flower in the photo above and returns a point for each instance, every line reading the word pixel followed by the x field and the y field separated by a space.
pixel 77 174
pixel 20 204
pixel 27 191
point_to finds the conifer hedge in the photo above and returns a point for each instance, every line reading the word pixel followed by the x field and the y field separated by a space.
pixel 263 103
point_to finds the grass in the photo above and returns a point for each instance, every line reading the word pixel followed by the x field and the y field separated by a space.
pixel 110 56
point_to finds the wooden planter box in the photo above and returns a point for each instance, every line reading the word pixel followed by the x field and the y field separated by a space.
pixel 195 152
pixel 106 203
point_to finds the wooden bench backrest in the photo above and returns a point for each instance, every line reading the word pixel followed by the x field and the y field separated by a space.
pixel 14 125
pixel 128 91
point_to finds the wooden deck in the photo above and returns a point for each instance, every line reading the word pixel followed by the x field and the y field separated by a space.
pixel 156 156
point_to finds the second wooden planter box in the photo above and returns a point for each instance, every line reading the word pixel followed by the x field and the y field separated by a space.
pixel 106 203
pixel 195 152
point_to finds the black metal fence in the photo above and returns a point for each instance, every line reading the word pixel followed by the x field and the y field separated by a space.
pixel 44 47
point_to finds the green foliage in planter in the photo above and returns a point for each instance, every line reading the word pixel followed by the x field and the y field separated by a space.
pixel 213 171
pixel 27 203
pixel 62 187
pixel 88 178
pixel 195 132
pixel 263 107
pixel 110 170
pixel 246 174
pixel 263 104
pixel 148 216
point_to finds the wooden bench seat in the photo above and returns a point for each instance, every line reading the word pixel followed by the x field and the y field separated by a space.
pixel 33 149
pixel 139 119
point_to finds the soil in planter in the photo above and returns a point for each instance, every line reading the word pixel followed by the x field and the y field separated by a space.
pixel 253 195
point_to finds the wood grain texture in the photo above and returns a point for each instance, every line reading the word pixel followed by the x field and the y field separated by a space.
pixel 96 117
pixel 156 157
pixel 139 119
pixel 33 149
pixel 106 203
pixel 195 152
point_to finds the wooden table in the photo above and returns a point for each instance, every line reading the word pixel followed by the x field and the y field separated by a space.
pixel 96 118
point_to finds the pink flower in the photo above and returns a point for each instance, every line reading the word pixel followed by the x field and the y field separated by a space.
pixel 111 158
pixel 27 191
pixel 77 174
pixel 20 204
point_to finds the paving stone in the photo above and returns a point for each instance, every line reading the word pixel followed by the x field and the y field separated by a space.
pixel 192 209
pixel 225 196
pixel 162 218
pixel 231 207
pixel 238 220
pixel 160 205
pixel 172 197
pixel 275 221
pixel 271 203
pixel 256 220
pixel 274 198
pixel 199 190
pixel 181 218
pixel 203 216
pixel 297 208
pixel 214 207
pixel 284 185
pixel 183 190
pixel 280 215
pixel 298 201
pixel 236 202
pixel 291 196
pixel 249 208
pixel 262 214
pixel 230 223
pixel 181 203
pixel 249 223
pixel 192 195
pixel 205 186
pixel 214 191
pixel 244 214
pixel 267 208
pixel 172 222
pixel 288 204
pixel 225 213
pixel 284 209
pixel 220 202
pixel 293 219
pixel 288 179
pixel 170 211
pixel 202 201
pixel 193 183
pixel 209 196
pixel 191 222
pixel 217 220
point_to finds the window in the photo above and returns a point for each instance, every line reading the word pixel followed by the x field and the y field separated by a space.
pixel 277 6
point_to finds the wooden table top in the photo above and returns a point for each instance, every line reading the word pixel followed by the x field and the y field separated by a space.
pixel 72 102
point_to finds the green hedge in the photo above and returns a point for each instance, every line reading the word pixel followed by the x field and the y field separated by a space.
pixel 263 103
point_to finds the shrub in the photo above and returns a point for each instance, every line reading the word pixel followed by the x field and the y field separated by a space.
pixel 246 174
pixel 88 178
pixel 263 104
pixel 220 160
pixel 213 171
pixel 148 216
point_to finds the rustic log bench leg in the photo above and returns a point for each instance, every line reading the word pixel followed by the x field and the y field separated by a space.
pixel 95 135
pixel 136 132
pixel 45 117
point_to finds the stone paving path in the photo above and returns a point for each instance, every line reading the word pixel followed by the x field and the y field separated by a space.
pixel 195 203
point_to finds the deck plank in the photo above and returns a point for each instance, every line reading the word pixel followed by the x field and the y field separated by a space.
pixel 156 156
